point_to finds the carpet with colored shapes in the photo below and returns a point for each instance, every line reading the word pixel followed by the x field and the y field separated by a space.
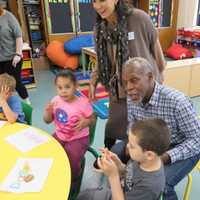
pixel 83 82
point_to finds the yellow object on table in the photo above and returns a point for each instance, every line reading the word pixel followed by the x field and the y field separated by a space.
pixel 57 184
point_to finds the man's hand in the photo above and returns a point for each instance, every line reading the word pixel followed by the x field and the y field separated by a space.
pixel 161 77
pixel 165 159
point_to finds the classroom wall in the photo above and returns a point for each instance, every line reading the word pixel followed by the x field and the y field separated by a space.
pixel 187 13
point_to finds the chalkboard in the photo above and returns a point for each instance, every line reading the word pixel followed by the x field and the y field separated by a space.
pixel 87 15
pixel 60 17
pixel 61 21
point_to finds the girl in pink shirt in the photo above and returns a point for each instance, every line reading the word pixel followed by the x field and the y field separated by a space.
pixel 72 116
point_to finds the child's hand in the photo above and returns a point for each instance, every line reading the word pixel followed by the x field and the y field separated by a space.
pixel 105 152
pixel 48 113
pixel 81 123
pixel 110 155
pixel 4 94
pixel 49 108
pixel 108 167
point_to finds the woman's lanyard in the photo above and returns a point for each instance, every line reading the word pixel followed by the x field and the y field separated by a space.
pixel 114 88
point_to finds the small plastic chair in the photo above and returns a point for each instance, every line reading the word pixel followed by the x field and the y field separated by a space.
pixel 161 197
pixel 187 191
pixel 27 109
pixel 92 130
pixel 188 187
pixel 198 165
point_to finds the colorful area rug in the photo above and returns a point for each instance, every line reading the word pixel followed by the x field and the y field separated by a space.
pixel 83 82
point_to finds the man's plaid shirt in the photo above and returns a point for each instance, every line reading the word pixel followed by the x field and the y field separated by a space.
pixel 178 112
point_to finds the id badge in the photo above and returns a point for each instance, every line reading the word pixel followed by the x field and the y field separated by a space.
pixel 131 35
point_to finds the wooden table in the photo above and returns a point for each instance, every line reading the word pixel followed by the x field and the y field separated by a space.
pixel 57 184
pixel 88 51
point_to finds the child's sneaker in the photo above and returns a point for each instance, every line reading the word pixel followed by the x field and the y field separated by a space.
pixel 27 100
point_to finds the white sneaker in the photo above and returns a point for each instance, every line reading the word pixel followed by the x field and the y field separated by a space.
pixel 27 100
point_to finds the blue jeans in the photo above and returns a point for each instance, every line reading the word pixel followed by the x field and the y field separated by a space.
pixel 174 172
pixel 120 149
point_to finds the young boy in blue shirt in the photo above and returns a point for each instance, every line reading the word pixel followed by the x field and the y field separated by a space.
pixel 10 105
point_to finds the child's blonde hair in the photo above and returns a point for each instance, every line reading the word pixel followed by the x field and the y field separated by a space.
pixel 9 81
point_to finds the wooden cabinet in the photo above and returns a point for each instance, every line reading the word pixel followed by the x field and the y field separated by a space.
pixel 183 75
pixel 167 34
pixel 178 75
pixel 195 79
pixel 27 73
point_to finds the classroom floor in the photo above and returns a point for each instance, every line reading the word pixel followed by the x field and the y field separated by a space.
pixel 45 91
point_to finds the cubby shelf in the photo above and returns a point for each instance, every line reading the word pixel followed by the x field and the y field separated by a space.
pixel 27 68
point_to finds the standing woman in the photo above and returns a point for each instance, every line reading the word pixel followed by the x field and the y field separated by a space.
pixel 121 31
pixel 11 44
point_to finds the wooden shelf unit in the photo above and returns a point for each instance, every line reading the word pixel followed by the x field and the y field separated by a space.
pixel 34 23
pixel 183 75
pixel 27 73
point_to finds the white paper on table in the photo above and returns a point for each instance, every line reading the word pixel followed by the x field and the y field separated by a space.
pixel 2 123
pixel 37 168
pixel 27 139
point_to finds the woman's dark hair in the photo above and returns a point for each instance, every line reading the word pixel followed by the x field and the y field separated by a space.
pixel 153 135
pixel 66 74
pixel 122 8
pixel 118 36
